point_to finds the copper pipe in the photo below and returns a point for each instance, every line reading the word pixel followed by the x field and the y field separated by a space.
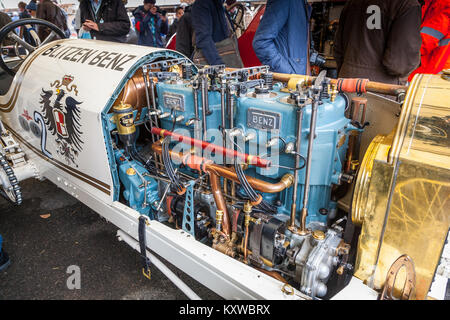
pixel 262 186
pixel 245 244
pixel 220 200
pixel 371 86
pixel 273 274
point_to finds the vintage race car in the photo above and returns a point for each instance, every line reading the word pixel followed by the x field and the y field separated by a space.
pixel 258 185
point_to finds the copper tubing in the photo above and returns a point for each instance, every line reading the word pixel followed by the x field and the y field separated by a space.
pixel 228 173
pixel 245 244
pixel 371 86
pixel 262 186
pixel 220 200
pixel 273 274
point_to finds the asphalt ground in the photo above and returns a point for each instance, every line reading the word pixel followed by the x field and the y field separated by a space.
pixel 51 231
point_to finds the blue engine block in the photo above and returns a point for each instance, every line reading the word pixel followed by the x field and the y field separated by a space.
pixel 141 191
pixel 253 115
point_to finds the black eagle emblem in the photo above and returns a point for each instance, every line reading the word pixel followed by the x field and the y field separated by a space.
pixel 62 120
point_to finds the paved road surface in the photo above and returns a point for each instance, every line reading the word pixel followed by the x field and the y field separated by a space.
pixel 42 249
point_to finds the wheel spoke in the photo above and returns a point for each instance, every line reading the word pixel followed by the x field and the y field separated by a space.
pixel 49 38
pixel 25 44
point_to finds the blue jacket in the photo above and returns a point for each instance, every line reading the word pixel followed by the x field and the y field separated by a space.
pixel 149 28
pixel 281 40
pixel 210 26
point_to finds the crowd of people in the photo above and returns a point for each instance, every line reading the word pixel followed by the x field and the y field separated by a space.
pixel 409 33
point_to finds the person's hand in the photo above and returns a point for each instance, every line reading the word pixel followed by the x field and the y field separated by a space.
pixel 90 25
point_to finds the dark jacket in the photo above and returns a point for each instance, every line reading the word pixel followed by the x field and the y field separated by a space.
pixel 386 54
pixel 112 19
pixel 172 29
pixel 149 27
pixel 185 32
pixel 210 26
pixel 4 20
pixel 281 40
pixel 47 10
pixel 24 15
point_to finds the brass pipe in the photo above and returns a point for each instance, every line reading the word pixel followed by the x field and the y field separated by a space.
pixel 371 86
pixel 262 186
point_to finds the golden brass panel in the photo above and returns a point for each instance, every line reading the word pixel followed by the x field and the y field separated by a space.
pixel 404 190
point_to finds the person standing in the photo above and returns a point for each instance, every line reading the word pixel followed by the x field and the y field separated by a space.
pixel 173 27
pixel 281 40
pixel 378 40
pixel 150 25
pixel 435 34
pixel 185 33
pixel 23 13
pixel 4 20
pixel 215 41
pixel 105 19
pixel 32 8
pixel 47 10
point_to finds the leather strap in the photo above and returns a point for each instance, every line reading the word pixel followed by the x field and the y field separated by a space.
pixel 143 246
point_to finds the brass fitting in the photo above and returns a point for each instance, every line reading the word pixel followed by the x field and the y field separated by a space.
pixel 287 180
pixel 318 235
pixel 248 207
pixel 219 218
pixel 354 165
pixel 225 248
pixel 333 92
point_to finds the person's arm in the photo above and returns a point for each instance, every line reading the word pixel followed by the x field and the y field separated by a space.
pixel 203 26
pixel 435 27
pixel 272 22
pixel 119 27
pixel 402 51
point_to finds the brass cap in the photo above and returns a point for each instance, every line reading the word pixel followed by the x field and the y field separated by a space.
pixel 318 235
pixel 131 172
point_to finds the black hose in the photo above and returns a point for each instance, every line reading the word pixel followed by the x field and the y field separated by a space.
pixel 174 179
pixel 248 189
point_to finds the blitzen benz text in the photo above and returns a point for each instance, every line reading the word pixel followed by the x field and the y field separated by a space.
pixel 92 57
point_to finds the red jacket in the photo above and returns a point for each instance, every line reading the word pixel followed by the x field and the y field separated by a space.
pixel 435 32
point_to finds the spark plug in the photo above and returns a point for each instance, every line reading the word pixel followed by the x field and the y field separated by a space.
pixel 272 142
pixel 190 122
pixel 155 112
pixel 164 115
pixel 179 118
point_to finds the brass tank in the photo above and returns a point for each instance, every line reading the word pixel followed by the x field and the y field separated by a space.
pixel 402 192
